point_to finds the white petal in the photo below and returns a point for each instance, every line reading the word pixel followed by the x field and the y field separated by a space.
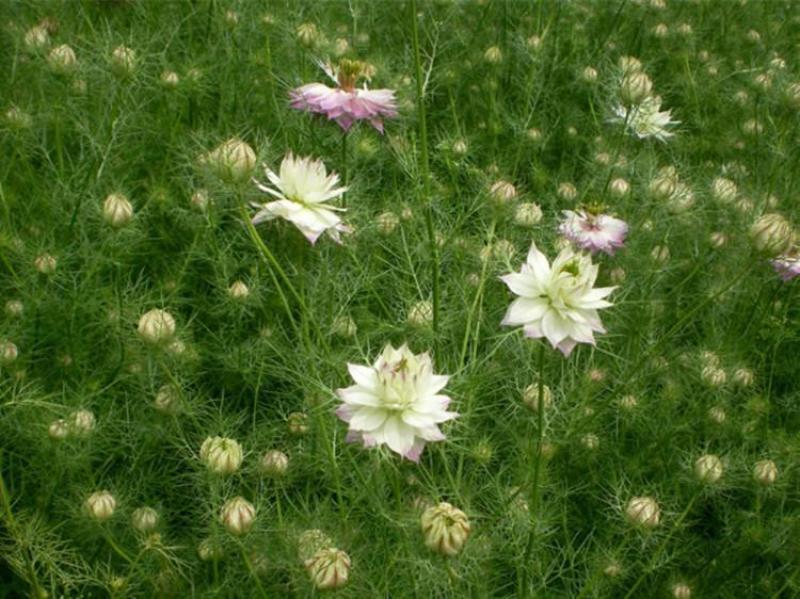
pixel 398 435
pixel 364 376
pixel 524 310
pixel 368 419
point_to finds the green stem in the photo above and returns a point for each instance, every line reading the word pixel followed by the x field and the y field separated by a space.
pixel 660 549
pixel 253 575
pixel 523 591
pixel 13 528
pixel 276 268
pixel 426 176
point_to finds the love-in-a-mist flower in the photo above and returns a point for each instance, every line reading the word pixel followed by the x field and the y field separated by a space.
pixel 788 265
pixel 646 119
pixel 302 188
pixel 345 103
pixel 593 232
pixel 396 402
pixel 558 301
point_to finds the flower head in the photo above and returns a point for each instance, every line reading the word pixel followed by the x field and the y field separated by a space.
pixel 303 186
pixel 395 401
pixel 345 103
pixel 646 120
pixel 788 265
pixel 557 301
pixel 594 232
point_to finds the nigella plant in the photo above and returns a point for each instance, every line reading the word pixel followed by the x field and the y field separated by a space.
pixel 558 301
pixel 302 189
pixel 588 230
pixel 787 265
pixel 345 103
pixel 396 402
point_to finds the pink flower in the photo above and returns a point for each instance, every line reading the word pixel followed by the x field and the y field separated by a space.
pixel 344 103
pixel 594 232
pixel 788 265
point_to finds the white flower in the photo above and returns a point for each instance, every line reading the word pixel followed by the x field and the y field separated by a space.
pixel 303 188
pixel 396 401
pixel 646 120
pixel 558 302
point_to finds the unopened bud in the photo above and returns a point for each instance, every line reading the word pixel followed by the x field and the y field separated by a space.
pixel 238 516
pixel 445 528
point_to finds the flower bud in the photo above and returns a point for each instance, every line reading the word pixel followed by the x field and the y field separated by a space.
pixel 681 590
pixel 200 199
pixel 170 79
pixel 144 519
pixel 589 74
pixel 117 210
pixel 14 308
pixel 274 463
pixel 771 234
pixel 237 515
pixel 660 253
pixel 717 414
pixel 37 38
pixel 493 55
pixel 530 397
pixel 298 423
pixel 238 290
pixel 221 455
pixel 765 472
pixel 17 119
pixel 567 191
pixel 328 568
pixel 528 214
pixel 713 376
pixel 344 326
pixel 310 542
pixel 167 400
pixel 661 30
pixel 534 42
pixel 45 264
pixel 619 187
pixel 743 377
pixel 233 161
pixel 156 326
pixel 590 441
pixel 308 34
pixel 58 429
pixel 629 64
pixel 209 550
pixel 81 422
pixel 708 468
pixel 8 352
pixel 387 222
pixel 62 59
pixel 421 314
pixel 460 147
pixel 100 505
pixel 724 190
pixel 643 511
pixel 635 87
pixel 628 402
pixel 445 527
pixel 123 60
pixel 502 192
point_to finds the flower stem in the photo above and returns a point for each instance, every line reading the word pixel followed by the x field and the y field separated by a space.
pixel 660 549
pixel 426 176
pixel 253 575
pixel 12 527
pixel 276 268
pixel 537 462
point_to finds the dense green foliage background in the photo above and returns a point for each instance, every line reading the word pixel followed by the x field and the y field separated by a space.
pixel 245 370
